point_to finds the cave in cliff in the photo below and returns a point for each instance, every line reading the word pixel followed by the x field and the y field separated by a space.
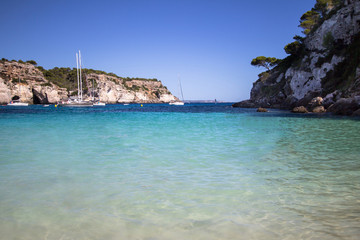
pixel 39 98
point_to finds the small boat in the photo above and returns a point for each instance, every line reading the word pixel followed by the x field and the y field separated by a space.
pixel 99 104
pixel 17 103
pixel 71 103
pixel 176 103
pixel 46 105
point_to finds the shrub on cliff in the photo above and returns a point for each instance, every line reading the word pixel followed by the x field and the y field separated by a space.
pixel 266 62
pixel 32 62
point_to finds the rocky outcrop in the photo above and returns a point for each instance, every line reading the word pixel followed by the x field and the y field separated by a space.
pixel 345 106
pixel 300 109
pixel 26 82
pixel 319 109
pixel 329 71
pixel 260 109
pixel 23 81
pixel 112 89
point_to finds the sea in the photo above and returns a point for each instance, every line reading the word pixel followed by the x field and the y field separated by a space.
pixel 159 172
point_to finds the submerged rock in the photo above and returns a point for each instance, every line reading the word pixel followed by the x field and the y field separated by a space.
pixel 319 109
pixel 300 109
pixel 260 109
pixel 245 104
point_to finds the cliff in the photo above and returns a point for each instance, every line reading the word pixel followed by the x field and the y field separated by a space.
pixel 327 69
pixel 36 85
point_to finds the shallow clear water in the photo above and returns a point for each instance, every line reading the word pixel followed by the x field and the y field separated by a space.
pixel 197 171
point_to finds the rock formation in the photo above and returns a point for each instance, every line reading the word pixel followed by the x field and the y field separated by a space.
pixel 327 69
pixel 26 82
pixel 112 89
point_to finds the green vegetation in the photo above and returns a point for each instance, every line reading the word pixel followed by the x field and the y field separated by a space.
pixel 322 10
pixel 19 80
pixel 265 62
pixel 328 41
pixel 48 84
pixel 32 62
pixel 264 76
pixel 63 77
pixel 294 48
pixel 140 79
pixel 309 20
pixel 135 88
pixel 67 77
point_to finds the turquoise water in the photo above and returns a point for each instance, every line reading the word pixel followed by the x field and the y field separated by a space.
pixel 197 171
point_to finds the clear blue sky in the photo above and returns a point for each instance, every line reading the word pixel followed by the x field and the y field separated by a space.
pixel 209 43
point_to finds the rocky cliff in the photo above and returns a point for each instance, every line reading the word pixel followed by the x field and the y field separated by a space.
pixel 26 82
pixel 328 68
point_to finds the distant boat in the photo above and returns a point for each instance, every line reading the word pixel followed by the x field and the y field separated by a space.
pixel 17 103
pixel 79 101
pixel 96 103
pixel 75 103
pixel 179 103
pixel 99 104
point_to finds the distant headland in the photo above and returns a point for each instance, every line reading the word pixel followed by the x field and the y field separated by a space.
pixel 33 84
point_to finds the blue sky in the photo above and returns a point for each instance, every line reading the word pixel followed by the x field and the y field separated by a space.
pixel 209 43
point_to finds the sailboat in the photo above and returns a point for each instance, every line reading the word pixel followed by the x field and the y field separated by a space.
pixel 179 103
pixel 17 103
pixel 79 102
pixel 96 103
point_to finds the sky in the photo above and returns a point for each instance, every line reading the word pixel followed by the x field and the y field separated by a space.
pixel 206 44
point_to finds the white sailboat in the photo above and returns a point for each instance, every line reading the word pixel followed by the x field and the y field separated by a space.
pixel 96 103
pixel 79 102
pixel 179 103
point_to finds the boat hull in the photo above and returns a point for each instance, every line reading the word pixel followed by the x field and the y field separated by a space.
pixel 177 103
pixel 75 104
pixel 18 104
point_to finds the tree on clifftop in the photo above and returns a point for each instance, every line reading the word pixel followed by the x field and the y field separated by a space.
pixel 308 20
pixel 265 62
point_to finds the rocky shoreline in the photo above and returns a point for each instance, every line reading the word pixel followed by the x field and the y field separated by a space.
pixel 322 75
pixel 343 106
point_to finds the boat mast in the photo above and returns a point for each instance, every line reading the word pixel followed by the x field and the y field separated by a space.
pixel 77 74
pixel 81 94
pixel 93 97
pixel 182 96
